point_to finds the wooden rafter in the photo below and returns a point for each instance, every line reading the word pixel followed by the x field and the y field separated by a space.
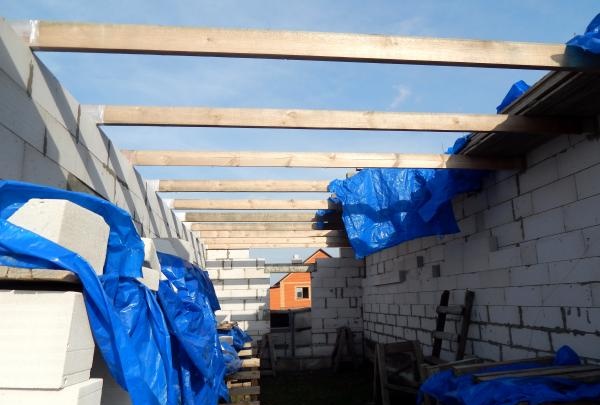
pixel 251 245
pixel 243 185
pixel 270 234
pixel 285 241
pixel 252 205
pixel 257 217
pixel 163 40
pixel 258 226
pixel 315 159
pixel 335 120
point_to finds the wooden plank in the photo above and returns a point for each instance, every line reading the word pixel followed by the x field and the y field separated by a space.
pixel 269 226
pixel 270 234
pixel 323 240
pixel 256 217
pixel 37 275
pixel 316 159
pixel 451 309
pixel 287 186
pixel 472 368
pixel 245 375
pixel 344 47
pixel 251 245
pixel 445 335
pixel 251 363
pixel 337 120
pixel 252 390
pixel 245 353
pixel 193 204
pixel 289 268
pixel 245 403
pixel 537 372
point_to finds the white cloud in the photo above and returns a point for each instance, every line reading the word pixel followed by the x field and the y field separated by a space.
pixel 402 93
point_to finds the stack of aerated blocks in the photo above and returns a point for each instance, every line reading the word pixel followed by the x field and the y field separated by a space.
pixel 242 285
pixel 46 345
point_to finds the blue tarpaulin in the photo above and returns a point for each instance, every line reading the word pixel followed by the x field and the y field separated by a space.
pixel 133 353
pixel 385 207
pixel 232 360
pixel 239 337
pixel 590 40
pixel 184 298
pixel 155 364
pixel 462 390
pixel 515 91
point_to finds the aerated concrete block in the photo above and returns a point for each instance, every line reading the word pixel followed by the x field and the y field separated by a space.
pixel 150 278
pixel 67 224
pixel 176 247
pixel 85 393
pixel 45 340
pixel 112 393
pixel 150 256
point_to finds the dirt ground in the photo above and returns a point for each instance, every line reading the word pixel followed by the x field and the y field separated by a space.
pixel 323 387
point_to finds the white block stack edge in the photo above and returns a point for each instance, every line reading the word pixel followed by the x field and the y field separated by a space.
pixel 85 393
pixel 112 393
pixel 150 257
pixel 46 347
pixel 150 278
pixel 176 247
pixel 67 224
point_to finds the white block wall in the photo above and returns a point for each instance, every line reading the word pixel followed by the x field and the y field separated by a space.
pixel 46 139
pixel 530 249
pixel 242 287
pixel 336 301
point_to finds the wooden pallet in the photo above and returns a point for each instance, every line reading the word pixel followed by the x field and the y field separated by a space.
pixel 244 385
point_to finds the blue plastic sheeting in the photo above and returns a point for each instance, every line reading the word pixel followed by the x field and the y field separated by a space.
pixel 590 41
pixel 232 360
pixel 239 337
pixel 516 91
pixel 136 354
pixel 385 207
pixel 191 319
pixel 186 276
pixel 462 390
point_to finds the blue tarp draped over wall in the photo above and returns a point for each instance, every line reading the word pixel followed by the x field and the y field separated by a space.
pixel 385 207
pixel 514 93
pixel 185 298
pixel 125 317
pixel 239 337
pixel 590 40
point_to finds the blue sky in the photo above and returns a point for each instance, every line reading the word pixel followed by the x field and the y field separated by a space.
pixel 191 81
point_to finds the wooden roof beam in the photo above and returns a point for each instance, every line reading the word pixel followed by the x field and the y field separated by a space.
pixel 193 204
pixel 269 234
pixel 258 217
pixel 316 159
pixel 246 43
pixel 262 226
pixel 279 186
pixel 250 245
pixel 334 120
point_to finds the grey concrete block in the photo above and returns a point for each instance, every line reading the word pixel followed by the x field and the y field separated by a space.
pixel 19 114
pixel 554 195
pixel 15 56
pixel 583 155
pixel 69 225
pixel 539 175
pixel 565 246
pixel 587 182
pixel 543 317
pixel 547 223
pixel 11 155
pixel 523 206
pixel 531 338
pixel 583 213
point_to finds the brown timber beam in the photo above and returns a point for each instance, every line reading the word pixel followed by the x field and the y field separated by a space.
pixel 250 43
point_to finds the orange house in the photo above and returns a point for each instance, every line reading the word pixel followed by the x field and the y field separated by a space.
pixel 293 290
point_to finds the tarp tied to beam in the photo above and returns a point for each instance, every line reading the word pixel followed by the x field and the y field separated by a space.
pixel 516 91
pixel 590 40
pixel 382 208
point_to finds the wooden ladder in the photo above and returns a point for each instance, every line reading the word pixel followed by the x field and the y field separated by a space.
pixel 462 311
